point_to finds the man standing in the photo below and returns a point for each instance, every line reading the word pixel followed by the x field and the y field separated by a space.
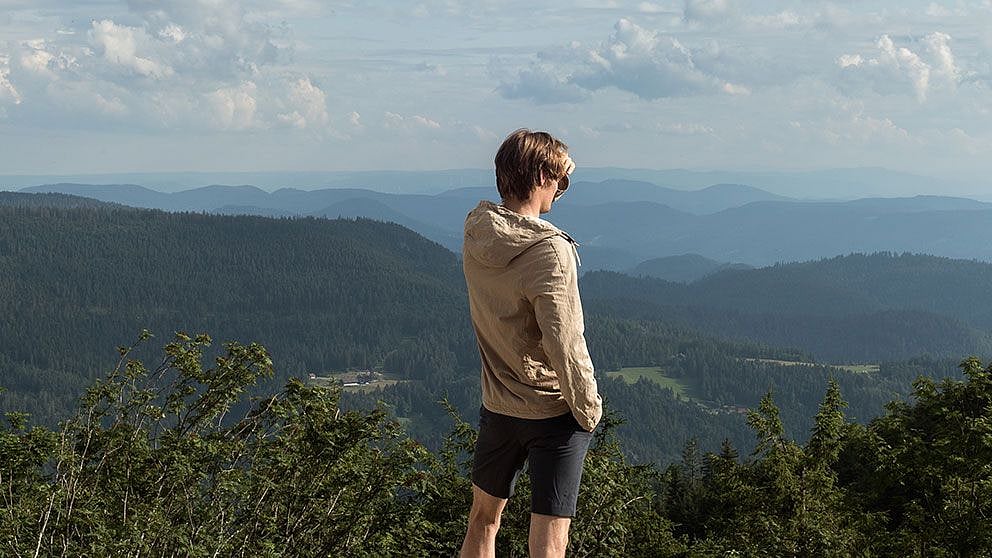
pixel 539 397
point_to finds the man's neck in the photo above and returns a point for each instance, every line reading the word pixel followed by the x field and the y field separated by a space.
pixel 530 207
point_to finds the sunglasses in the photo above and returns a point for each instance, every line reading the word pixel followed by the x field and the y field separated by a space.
pixel 562 186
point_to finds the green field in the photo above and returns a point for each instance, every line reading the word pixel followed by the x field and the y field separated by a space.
pixel 654 374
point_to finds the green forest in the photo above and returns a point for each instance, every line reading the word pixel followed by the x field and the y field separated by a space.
pixel 765 426
pixel 156 462
pixel 328 296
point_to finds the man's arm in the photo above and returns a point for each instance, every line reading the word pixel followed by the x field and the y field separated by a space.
pixel 552 288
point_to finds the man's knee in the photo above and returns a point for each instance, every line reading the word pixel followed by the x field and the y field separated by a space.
pixel 484 520
pixel 486 510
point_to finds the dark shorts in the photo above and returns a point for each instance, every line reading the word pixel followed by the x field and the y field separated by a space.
pixel 553 448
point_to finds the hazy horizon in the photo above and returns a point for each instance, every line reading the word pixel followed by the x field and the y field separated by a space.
pixel 826 184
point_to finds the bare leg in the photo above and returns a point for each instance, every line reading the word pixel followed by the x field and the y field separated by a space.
pixel 548 535
pixel 483 523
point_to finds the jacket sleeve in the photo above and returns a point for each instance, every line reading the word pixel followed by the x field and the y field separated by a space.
pixel 552 287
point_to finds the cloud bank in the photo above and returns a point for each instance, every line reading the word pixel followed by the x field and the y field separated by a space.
pixel 165 65
pixel 647 63
pixel 893 69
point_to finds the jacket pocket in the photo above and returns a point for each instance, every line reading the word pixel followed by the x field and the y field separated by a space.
pixel 537 374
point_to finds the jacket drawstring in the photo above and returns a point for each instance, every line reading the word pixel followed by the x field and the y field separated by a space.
pixel 575 247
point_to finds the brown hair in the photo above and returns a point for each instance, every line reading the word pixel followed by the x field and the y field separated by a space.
pixel 522 158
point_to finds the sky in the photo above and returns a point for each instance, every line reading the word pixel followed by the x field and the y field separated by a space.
pixel 101 86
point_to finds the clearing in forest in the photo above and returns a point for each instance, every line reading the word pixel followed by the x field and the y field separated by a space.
pixel 654 374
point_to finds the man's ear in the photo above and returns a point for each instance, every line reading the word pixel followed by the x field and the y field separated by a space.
pixel 545 179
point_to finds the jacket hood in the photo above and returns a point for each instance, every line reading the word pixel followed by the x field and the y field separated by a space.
pixel 494 235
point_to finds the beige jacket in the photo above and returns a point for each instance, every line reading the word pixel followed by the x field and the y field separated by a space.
pixel 524 296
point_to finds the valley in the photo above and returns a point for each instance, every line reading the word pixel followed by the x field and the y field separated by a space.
pixel 357 294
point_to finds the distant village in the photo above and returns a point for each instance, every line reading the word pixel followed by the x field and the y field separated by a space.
pixel 353 378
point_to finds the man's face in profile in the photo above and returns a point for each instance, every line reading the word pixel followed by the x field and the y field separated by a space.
pixel 561 184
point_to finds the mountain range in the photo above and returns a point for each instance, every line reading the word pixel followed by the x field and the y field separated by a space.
pixel 836 184
pixel 621 223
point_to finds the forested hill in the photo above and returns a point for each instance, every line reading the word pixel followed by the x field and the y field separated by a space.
pixel 21 199
pixel 322 294
pixel 684 268
pixel 332 297
pixel 880 281
pixel 866 307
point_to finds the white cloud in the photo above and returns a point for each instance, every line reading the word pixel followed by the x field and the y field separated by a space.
pixel 939 49
pixel 233 108
pixel 7 89
pixel 543 84
pixel 426 122
pixel 309 104
pixel 847 60
pixel 906 61
pixel 172 63
pixel 209 37
pixel 355 121
pixel 173 32
pixel 649 64
pixel 37 59
pixel 891 68
pixel 34 57
pixel 119 44
pixel 394 121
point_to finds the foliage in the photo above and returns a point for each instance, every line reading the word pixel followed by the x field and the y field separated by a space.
pixel 927 467
pixel 151 465
pixel 158 462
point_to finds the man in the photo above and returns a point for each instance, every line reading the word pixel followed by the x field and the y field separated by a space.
pixel 539 396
